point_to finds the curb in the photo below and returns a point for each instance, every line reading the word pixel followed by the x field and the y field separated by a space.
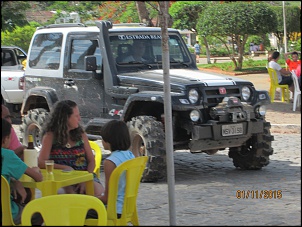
pixel 231 73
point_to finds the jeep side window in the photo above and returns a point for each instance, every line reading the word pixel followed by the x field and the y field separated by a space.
pixel 176 50
pixel 46 51
pixel 81 48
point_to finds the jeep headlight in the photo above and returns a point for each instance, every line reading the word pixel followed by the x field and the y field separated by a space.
pixel 193 96
pixel 246 93
pixel 261 110
pixel 195 115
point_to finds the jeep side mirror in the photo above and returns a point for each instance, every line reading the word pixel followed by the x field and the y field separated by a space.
pixel 90 63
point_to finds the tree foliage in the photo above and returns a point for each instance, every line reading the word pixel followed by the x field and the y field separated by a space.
pixel 13 14
pixel 119 12
pixel 87 10
pixel 237 20
pixel 185 16
pixel 20 36
pixel 131 12
pixel 186 13
pixel 292 19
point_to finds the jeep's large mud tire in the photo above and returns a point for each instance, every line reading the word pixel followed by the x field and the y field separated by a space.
pixel 254 154
pixel 148 139
pixel 32 123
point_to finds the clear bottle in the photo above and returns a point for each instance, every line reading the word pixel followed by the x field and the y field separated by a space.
pixel 30 153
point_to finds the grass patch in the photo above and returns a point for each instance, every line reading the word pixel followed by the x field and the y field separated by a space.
pixel 248 65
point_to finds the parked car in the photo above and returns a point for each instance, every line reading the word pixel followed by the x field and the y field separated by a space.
pixel 12 77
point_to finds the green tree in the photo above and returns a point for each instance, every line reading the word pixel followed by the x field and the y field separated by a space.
pixel 119 12
pixel 13 14
pixel 20 36
pixel 292 19
pixel 131 12
pixel 87 10
pixel 236 20
pixel 185 15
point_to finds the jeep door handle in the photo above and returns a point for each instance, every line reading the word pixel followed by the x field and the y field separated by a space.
pixel 69 82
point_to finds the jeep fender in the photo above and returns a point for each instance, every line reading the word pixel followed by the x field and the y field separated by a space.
pixel 262 98
pixel 136 105
pixel 42 97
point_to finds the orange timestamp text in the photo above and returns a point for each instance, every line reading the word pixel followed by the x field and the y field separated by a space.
pixel 258 194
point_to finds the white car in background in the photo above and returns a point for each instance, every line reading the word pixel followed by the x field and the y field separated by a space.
pixel 12 78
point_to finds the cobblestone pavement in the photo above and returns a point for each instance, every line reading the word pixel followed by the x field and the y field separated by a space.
pixel 206 186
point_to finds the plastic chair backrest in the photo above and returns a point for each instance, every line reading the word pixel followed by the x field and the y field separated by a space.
pixel 134 169
pixel 64 210
pixel 295 80
pixel 97 156
pixel 297 90
pixel 273 76
pixel 7 218
pixel 274 84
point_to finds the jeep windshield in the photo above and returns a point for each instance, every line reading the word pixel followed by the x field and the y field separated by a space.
pixel 144 50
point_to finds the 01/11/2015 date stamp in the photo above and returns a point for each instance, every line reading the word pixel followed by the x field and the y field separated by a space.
pixel 258 194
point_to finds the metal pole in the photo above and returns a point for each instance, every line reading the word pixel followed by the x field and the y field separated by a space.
pixel 284 23
pixel 164 6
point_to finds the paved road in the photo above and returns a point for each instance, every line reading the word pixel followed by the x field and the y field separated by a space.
pixel 206 186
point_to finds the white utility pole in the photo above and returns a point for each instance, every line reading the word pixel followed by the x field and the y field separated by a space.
pixel 284 22
pixel 164 9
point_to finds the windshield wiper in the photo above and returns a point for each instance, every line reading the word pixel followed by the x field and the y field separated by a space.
pixel 180 62
pixel 138 62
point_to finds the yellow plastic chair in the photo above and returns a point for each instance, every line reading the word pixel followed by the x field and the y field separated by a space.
pixel 7 218
pixel 97 156
pixel 274 85
pixel 134 169
pixel 64 210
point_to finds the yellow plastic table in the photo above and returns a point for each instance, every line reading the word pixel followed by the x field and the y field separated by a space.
pixel 52 182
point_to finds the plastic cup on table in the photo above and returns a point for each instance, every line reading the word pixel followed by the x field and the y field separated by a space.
pixel 49 165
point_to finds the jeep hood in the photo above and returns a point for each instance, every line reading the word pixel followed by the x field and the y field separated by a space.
pixel 178 78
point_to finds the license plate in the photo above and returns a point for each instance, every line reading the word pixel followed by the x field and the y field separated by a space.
pixel 231 130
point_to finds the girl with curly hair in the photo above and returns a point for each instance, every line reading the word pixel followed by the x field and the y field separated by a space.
pixel 65 141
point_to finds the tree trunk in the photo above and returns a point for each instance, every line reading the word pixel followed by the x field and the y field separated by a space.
pixel 143 13
pixel 207 49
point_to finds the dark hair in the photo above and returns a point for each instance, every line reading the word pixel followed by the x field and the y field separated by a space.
pixel 6 128
pixel 295 52
pixel 275 55
pixel 57 123
pixel 116 133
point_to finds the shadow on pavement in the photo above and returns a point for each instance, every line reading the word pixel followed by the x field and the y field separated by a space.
pixel 283 107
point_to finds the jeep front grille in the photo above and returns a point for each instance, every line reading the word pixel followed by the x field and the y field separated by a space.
pixel 212 97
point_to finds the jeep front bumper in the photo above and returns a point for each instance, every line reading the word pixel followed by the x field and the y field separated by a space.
pixel 213 136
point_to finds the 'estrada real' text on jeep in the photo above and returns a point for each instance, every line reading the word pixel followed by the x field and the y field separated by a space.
pixel 115 72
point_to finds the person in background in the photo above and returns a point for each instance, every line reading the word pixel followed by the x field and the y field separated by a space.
pixel 255 47
pixel 15 144
pixel 251 46
pixel 283 74
pixel 197 51
pixel 65 141
pixel 138 50
pixel 12 168
pixel 294 62
pixel 116 138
